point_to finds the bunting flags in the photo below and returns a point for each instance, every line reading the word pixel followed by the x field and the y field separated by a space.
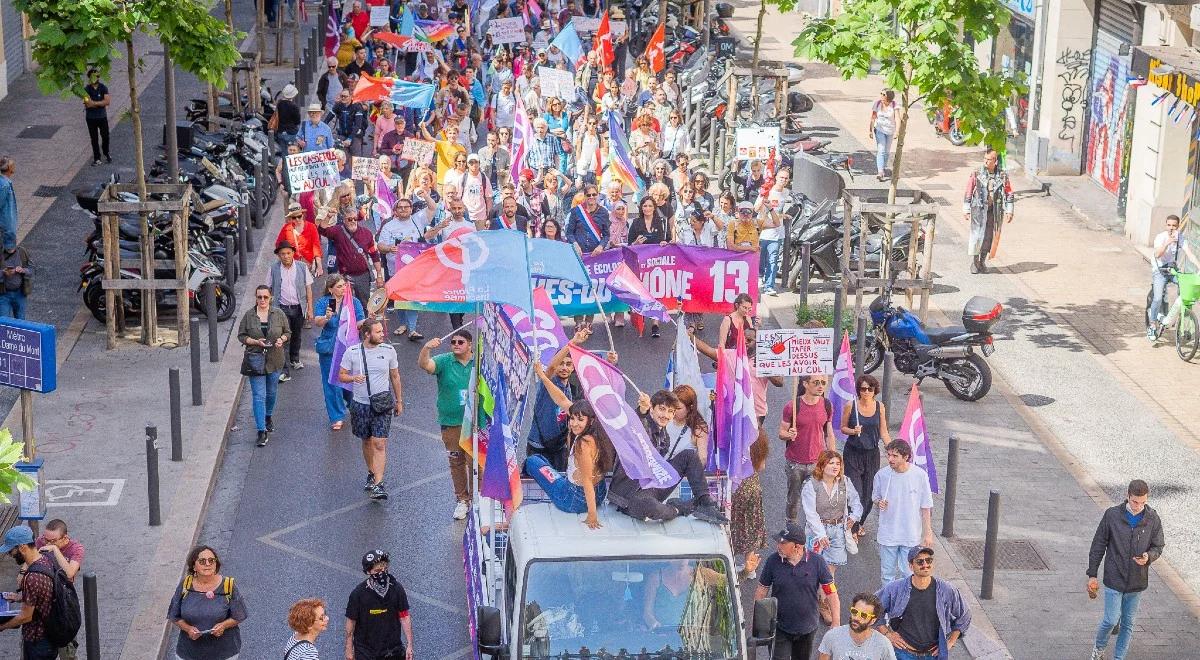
pixel 412 94
pixel 603 42
pixel 501 478
pixel 370 88
pixel 912 429
pixel 624 284
pixel 620 161
pixel 654 49
pixel 841 386
pixel 736 425
pixel 347 336
pixel 522 131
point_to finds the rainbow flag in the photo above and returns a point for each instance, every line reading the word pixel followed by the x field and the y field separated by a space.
pixel 620 162
pixel 433 31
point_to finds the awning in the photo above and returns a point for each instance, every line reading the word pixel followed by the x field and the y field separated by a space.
pixel 1175 69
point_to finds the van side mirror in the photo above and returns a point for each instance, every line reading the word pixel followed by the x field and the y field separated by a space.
pixel 766 613
pixel 487 630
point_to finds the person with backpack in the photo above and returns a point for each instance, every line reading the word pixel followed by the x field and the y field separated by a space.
pixel 308 619
pixel 49 617
pixel 806 430
pixel 208 609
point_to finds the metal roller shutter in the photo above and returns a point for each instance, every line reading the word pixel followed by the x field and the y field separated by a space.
pixel 14 45
pixel 1117 28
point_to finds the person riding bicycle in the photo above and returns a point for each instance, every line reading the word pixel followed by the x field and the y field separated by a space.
pixel 1167 246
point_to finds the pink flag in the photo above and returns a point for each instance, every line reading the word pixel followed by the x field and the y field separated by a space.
pixel 604 387
pixel 625 285
pixel 347 336
pixel 735 420
pixel 544 333
pixel 841 386
pixel 912 429
pixel 501 479
pixel 522 131
pixel 385 199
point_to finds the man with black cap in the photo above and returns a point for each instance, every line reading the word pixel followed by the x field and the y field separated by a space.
pixel 925 616
pixel 793 575
pixel 291 285
pixel 377 623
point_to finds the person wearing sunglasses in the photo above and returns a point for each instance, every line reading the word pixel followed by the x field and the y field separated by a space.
pixel 924 616
pixel 35 593
pixel 857 640
pixel 330 85
pixel 588 223
pixel 453 373
pixel 806 428
pixel 207 608
pixel 263 331
pixel 864 423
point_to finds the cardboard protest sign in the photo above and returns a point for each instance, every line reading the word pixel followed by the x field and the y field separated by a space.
pixel 793 352
pixel 313 170
pixel 418 151
pixel 507 30
pixel 364 168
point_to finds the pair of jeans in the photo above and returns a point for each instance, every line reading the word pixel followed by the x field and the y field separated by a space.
pixel 792 647
pixel 893 563
pixel 883 147
pixel 768 262
pixel 335 401
pixel 39 649
pixel 901 654
pixel 796 474
pixel 263 390
pixel 98 132
pixel 564 495
pixel 12 304
pixel 1160 280
pixel 1118 608
pixel 408 319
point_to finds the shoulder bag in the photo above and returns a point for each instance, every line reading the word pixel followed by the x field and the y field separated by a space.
pixel 383 402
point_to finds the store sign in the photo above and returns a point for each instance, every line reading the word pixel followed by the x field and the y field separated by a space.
pixel 1164 75
pixel 1020 7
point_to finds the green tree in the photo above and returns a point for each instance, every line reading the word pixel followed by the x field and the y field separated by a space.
pixel 10 478
pixel 73 36
pixel 925 54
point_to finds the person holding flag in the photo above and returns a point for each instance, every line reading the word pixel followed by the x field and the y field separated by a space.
pixel 329 312
pixel 864 422
pixel 373 370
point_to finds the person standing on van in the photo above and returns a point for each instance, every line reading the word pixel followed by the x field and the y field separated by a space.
pixel 884 119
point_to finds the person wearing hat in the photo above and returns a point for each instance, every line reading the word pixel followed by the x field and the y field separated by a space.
pixel 291 286
pixel 36 593
pixel 793 576
pixel 378 626
pixel 302 236
pixel 924 616
pixel 314 134
pixel 286 120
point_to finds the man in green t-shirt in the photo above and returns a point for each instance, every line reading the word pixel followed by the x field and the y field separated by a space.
pixel 453 372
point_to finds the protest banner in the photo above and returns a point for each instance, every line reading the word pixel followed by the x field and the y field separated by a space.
pixel 618 28
pixel 540 42
pixel 503 347
pixel 418 151
pixel 507 30
pixel 313 170
pixel 793 352
pixel 586 24
pixel 364 168
pixel 556 84
pixel 379 16
pixel 755 143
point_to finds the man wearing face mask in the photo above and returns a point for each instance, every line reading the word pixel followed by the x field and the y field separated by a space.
pixel 36 593
pixel 377 623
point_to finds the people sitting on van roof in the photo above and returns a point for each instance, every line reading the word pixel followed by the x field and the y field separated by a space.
pixel 651 503
pixel 548 432
pixel 590 455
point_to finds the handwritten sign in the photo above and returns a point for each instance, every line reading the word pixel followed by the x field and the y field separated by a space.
pixel 365 168
pixel 618 28
pixel 507 30
pixel 556 84
pixel 586 24
pixel 313 170
pixel 418 151
pixel 755 143
pixel 379 16
pixel 793 352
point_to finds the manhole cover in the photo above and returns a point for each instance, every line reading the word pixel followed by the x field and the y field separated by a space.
pixel 49 191
pixel 39 132
pixel 1011 555
pixel 1036 400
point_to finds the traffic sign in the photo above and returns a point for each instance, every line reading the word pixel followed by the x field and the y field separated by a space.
pixel 27 355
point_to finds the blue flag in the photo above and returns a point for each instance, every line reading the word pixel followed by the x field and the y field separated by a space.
pixel 568 42
pixel 556 260
pixel 408 22
pixel 412 95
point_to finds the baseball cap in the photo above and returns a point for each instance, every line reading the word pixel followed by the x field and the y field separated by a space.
pixel 294 208
pixel 19 535
pixel 919 550
pixel 473 157
pixel 745 205
pixel 793 532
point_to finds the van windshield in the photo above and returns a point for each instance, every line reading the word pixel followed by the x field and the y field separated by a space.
pixel 656 607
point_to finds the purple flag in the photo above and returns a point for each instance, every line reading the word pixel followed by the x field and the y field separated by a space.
pixel 347 336
pixel 841 386
pixel 501 463
pixel 385 199
pixel 627 288
pixel 912 429
pixel 544 334
pixel 736 422
pixel 605 390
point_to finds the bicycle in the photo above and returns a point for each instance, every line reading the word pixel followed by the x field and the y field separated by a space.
pixel 1179 315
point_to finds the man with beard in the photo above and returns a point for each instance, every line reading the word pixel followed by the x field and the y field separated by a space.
pixel 857 641
pixel 377 614
pixel 926 616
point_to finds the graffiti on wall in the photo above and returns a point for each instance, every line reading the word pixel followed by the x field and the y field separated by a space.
pixel 1074 70
pixel 1106 121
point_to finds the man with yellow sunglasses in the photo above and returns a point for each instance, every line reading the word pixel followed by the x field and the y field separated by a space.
pixel 857 640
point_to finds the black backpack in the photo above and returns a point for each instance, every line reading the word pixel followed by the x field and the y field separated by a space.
pixel 63 623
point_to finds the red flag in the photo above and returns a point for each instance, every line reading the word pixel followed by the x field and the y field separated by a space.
pixel 604 44
pixel 370 88
pixel 639 322
pixel 654 49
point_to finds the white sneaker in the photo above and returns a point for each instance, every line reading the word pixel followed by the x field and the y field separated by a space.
pixel 1097 654
pixel 460 510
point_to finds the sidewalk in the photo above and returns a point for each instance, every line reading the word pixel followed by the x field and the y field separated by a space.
pixel 1081 403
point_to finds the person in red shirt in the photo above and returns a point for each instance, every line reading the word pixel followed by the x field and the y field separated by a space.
pixel 806 432
pixel 357 255
pixel 303 236
pixel 36 595
pixel 66 551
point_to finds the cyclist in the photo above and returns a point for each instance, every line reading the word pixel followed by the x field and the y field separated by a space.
pixel 1167 246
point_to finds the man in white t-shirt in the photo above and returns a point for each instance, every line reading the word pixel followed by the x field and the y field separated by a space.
pixel 402 227
pixel 858 640
pixel 1167 248
pixel 373 368
pixel 905 504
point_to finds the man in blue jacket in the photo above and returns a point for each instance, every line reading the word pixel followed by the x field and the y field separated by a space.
pixel 588 223
pixel 925 616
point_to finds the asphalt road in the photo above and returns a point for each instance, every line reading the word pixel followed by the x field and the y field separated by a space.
pixel 291 520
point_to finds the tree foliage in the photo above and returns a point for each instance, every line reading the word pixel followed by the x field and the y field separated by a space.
pixel 73 36
pixel 10 478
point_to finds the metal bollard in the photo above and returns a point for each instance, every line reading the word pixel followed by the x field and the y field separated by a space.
pixel 194 332
pixel 951 487
pixel 242 228
pixel 152 475
pixel 210 306
pixel 837 314
pixel 887 380
pixel 244 217
pixel 230 269
pixel 805 266
pixel 176 415
pixel 91 616
pixel 860 347
pixel 989 545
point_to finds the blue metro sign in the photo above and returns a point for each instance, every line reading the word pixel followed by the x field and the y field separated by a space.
pixel 27 355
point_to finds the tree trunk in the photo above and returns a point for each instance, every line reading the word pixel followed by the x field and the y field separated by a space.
pixel 762 12
pixel 148 302
pixel 898 156
pixel 135 113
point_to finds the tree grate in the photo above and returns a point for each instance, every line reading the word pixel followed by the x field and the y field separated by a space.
pixel 49 191
pixel 43 132
pixel 1011 555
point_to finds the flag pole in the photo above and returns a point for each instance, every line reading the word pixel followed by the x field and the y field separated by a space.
pixel 451 333
pixel 795 402
pixel 611 346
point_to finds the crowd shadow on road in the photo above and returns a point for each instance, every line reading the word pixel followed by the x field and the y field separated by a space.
pixel 1028 267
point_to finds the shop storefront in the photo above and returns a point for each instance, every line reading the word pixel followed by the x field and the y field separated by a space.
pixel 1012 52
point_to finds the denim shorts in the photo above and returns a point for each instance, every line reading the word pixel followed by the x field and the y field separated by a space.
pixel 835 554
pixel 366 424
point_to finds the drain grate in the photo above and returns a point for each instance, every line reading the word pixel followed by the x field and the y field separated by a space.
pixel 1011 555
pixel 49 191
pixel 44 132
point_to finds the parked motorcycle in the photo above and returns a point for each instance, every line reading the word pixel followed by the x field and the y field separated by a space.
pixel 945 123
pixel 200 269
